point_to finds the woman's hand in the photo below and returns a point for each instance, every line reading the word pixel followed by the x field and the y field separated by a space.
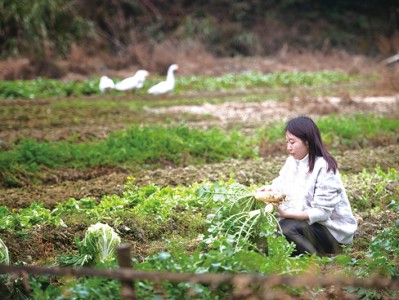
pixel 281 213
pixel 298 215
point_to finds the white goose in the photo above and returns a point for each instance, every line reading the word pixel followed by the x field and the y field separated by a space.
pixel 134 82
pixel 106 84
pixel 165 86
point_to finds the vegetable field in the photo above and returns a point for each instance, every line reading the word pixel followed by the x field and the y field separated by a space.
pixel 82 172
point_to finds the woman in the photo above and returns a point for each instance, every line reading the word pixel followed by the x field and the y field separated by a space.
pixel 317 215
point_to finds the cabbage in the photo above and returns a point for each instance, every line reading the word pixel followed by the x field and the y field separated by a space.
pixel 4 258
pixel 100 242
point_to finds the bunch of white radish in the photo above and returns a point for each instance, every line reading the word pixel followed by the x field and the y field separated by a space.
pixel 242 214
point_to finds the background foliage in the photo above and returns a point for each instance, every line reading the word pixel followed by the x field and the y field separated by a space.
pixel 41 28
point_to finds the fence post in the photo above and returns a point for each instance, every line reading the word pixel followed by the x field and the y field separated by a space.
pixel 124 261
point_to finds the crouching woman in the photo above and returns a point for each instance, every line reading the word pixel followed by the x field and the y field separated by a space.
pixel 317 216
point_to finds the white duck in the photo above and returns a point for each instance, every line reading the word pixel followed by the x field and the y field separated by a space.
pixel 106 84
pixel 165 86
pixel 134 82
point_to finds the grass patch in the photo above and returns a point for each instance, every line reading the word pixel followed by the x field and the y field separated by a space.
pixel 344 132
pixel 137 146
pixel 260 80
pixel 373 191
pixel 156 146
pixel 48 88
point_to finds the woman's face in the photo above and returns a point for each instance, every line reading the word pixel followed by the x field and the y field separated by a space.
pixel 295 146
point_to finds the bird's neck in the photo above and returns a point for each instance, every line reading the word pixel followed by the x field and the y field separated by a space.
pixel 169 76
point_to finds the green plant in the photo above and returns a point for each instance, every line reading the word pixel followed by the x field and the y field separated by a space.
pixel 383 253
pixel 4 256
pixel 353 131
pixel 210 208
pixel 240 216
pixel 357 129
pixel 40 27
pixel 46 88
pixel 98 246
pixel 150 145
pixel 25 218
pixel 100 242
pixel 89 288
pixel 372 190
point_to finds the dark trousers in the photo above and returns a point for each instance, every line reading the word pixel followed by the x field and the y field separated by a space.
pixel 312 239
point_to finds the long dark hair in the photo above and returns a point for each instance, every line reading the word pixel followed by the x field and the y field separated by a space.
pixel 304 128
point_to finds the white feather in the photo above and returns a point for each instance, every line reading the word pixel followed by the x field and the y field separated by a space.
pixel 106 83
pixel 165 86
pixel 134 82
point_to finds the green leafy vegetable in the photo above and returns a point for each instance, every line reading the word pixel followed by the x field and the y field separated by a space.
pixel 239 217
pixel 4 257
pixel 101 241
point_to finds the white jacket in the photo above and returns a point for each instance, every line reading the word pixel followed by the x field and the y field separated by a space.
pixel 320 193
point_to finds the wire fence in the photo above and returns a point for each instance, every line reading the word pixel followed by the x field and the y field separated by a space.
pixel 243 286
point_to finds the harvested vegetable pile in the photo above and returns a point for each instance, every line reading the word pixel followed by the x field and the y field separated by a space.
pixel 244 216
